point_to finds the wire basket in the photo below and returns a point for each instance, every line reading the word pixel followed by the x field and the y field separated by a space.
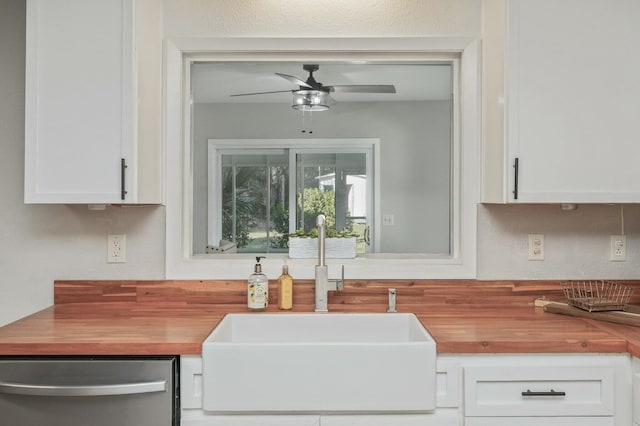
pixel 597 295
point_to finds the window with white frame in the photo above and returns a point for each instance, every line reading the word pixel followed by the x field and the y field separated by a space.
pixel 419 232
pixel 263 190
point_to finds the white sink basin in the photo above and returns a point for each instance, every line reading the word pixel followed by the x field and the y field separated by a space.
pixel 318 362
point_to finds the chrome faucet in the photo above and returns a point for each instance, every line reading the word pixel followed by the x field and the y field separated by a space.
pixel 323 283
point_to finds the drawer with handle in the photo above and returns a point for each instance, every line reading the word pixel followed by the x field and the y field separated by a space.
pixel 538 391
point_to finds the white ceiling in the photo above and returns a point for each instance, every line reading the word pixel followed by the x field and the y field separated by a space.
pixel 214 82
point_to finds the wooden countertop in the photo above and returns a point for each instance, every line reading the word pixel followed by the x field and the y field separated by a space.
pixel 174 317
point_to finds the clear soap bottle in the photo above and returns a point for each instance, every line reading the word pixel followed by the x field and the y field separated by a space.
pixel 285 289
pixel 258 288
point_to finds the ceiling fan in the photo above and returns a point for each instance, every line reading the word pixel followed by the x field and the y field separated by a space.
pixel 311 95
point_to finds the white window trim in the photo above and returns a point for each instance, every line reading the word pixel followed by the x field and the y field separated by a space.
pixel 179 53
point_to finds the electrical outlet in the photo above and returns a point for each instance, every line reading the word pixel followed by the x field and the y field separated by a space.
pixel 618 248
pixel 536 247
pixel 116 248
pixel 388 219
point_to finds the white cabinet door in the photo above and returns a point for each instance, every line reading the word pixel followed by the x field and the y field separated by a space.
pixel 539 421
pixel 546 389
pixel 437 418
pixel 572 101
pixel 526 391
pixel 635 393
pixel 200 418
pixel 80 101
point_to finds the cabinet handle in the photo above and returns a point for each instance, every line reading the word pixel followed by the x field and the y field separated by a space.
pixel 123 166
pixel 515 178
pixel 550 393
pixel 93 390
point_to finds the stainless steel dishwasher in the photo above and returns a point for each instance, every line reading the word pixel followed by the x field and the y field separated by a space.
pixel 89 391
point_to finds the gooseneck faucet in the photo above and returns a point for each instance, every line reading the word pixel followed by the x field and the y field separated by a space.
pixel 323 283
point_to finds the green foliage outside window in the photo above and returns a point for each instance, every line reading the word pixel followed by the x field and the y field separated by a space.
pixel 245 205
pixel 317 202
pixel 281 226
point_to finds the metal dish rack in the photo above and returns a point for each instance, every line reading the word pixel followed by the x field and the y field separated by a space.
pixel 597 295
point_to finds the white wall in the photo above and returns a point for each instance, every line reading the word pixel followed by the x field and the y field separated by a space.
pixel 43 243
pixel 576 242
pixel 326 18
pixel 414 151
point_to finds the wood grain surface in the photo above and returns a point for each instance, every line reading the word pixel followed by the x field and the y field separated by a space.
pixel 175 316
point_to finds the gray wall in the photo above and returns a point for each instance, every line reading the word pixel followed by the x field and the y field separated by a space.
pixel 415 157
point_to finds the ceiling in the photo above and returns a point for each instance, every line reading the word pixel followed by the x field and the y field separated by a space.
pixel 214 82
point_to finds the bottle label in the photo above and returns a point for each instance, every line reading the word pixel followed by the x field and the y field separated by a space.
pixel 285 292
pixel 258 296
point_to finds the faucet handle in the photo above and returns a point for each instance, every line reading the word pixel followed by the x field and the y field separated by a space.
pixel 392 300
pixel 339 282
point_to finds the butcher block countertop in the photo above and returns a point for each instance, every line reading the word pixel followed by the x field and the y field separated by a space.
pixel 174 317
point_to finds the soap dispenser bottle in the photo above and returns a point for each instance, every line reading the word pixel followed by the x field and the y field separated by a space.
pixel 258 290
pixel 285 289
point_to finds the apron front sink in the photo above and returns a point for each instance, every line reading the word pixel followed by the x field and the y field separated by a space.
pixel 319 362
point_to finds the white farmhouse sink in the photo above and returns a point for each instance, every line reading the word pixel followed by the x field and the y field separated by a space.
pixel 318 362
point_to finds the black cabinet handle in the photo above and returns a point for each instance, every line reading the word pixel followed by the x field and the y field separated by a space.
pixel 123 166
pixel 550 393
pixel 515 178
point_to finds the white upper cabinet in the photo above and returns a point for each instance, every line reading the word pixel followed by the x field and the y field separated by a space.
pixel 81 106
pixel 572 103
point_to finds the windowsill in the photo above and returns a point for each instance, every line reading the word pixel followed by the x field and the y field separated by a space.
pixel 376 266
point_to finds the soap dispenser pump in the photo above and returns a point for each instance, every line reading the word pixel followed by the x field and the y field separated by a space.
pixel 258 288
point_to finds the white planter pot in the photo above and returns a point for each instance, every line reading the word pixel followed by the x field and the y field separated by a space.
pixel 335 248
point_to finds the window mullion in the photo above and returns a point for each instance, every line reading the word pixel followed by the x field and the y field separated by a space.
pixel 234 220
pixel 268 206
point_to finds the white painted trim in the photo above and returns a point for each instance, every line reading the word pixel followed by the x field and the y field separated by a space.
pixel 180 263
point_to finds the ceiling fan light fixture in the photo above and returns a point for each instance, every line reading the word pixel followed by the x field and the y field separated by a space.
pixel 310 100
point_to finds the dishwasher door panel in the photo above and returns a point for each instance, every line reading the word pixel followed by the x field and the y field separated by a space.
pixel 88 392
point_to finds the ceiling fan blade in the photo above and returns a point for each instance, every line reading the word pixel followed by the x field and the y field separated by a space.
pixel 294 80
pixel 261 93
pixel 363 88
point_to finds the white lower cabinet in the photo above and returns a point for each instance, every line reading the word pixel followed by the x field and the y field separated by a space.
pixel 531 390
pixel 447 413
pixel 538 391
pixel 192 418
pixel 437 418
pixel 538 421
pixel 636 391
pixel 475 390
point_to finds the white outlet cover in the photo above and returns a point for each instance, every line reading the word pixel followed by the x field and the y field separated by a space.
pixel 536 247
pixel 618 248
pixel 116 248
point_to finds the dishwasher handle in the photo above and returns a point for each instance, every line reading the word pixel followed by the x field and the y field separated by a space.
pixel 88 390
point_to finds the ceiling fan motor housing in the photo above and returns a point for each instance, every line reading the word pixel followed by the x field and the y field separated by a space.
pixel 310 68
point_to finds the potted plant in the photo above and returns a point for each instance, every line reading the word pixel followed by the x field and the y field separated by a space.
pixel 338 244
